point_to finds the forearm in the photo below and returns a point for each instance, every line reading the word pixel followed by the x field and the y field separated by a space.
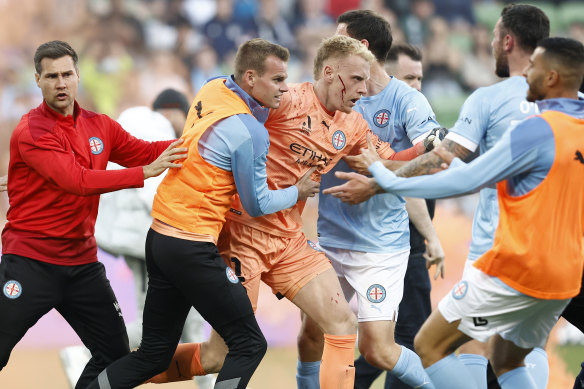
pixel 420 218
pixel 433 161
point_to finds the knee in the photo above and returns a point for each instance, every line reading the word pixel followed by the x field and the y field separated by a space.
pixel 310 335
pixel 423 349
pixel 344 324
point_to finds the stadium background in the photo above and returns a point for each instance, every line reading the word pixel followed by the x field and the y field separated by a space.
pixel 130 50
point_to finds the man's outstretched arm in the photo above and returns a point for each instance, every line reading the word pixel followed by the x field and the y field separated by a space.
pixel 434 161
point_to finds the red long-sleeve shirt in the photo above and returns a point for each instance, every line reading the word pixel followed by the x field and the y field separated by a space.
pixel 55 176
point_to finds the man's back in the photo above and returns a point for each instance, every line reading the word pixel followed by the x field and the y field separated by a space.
pixel 485 116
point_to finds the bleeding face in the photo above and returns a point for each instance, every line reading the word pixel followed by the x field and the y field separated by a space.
pixel 59 81
pixel 269 87
pixel 346 82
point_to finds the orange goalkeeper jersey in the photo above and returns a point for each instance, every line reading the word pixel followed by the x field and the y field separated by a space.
pixel 302 134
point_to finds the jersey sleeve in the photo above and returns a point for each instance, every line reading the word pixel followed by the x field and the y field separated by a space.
pixel 472 121
pixel 419 118
pixel 515 153
pixel 383 148
pixel 249 148
pixel 65 172
pixel 129 151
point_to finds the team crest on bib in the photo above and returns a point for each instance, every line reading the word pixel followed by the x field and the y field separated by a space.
pixel 96 145
pixel 381 118
pixel 459 290
pixel 12 289
pixel 339 139
pixel 376 293
pixel 231 275
pixel 314 246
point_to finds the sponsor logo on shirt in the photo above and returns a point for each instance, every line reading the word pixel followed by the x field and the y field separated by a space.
pixel 579 157
pixel 308 155
pixel 376 293
pixel 96 145
pixel 12 289
pixel 381 118
pixel 339 139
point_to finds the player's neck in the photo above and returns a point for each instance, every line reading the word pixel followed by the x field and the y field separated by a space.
pixel 378 79
pixel 517 63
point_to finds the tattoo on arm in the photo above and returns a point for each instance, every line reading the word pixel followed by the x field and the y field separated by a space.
pixel 431 162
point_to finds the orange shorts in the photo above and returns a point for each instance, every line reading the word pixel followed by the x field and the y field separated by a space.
pixel 285 264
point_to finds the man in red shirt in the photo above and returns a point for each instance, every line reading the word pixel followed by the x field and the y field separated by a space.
pixel 58 156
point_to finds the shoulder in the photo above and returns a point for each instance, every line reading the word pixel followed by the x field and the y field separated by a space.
pixel 37 123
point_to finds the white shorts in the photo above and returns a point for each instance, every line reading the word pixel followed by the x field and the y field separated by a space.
pixel 486 306
pixel 378 280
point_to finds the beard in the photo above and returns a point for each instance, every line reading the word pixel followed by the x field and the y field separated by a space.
pixel 502 66
pixel 534 93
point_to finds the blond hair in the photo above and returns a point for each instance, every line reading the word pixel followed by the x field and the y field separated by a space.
pixel 340 46
pixel 252 55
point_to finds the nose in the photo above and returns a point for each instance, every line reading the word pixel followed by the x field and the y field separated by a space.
pixel 284 87
pixel 362 88
pixel 61 82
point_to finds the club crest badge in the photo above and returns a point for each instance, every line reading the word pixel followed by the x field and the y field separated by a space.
pixel 96 145
pixel 339 139
pixel 231 275
pixel 381 118
pixel 376 293
pixel 459 290
pixel 314 245
pixel 12 289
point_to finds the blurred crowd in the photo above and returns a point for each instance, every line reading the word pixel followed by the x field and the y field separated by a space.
pixel 130 50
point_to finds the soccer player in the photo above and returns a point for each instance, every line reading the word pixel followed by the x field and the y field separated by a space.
pixel 484 118
pixel 58 153
pixel 513 294
pixel 404 62
pixel 315 125
pixel 227 147
pixel 369 244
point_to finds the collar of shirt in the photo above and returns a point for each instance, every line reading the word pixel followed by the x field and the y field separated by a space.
pixel 48 111
pixel 571 107
pixel 259 112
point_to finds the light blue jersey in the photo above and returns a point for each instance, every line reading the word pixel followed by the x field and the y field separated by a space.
pixel 240 144
pixel 485 116
pixel 401 116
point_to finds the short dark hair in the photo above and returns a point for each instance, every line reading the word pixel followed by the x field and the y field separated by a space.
pixel 412 52
pixel 527 23
pixel 568 54
pixel 366 24
pixel 253 53
pixel 53 50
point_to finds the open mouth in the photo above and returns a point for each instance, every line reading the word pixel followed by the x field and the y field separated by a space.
pixel 61 96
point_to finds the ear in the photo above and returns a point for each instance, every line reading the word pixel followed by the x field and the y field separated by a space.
pixel 249 78
pixel 509 43
pixel 328 73
pixel 552 78
pixel 365 42
pixel 37 77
